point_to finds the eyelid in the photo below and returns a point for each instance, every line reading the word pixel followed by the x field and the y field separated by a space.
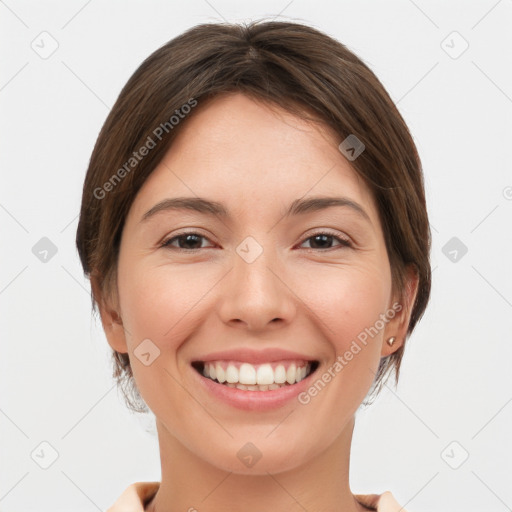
pixel 345 241
pixel 165 243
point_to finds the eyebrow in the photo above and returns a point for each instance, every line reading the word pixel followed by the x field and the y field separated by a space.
pixel 207 207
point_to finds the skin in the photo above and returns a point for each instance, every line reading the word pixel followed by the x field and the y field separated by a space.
pixel 313 299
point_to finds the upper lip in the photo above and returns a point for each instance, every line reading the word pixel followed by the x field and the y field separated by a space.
pixel 253 356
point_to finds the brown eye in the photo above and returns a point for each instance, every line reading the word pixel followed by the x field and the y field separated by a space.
pixel 186 241
pixel 324 240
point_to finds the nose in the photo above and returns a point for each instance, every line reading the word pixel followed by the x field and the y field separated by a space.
pixel 255 295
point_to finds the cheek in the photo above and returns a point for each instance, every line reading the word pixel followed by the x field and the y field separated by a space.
pixel 160 305
pixel 165 304
pixel 349 312
pixel 350 302
pixel 157 303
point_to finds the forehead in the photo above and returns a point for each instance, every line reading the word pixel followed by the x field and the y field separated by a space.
pixel 253 157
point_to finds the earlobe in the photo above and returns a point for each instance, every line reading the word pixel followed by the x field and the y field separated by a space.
pixel 396 330
pixel 110 319
pixel 115 333
pixel 391 341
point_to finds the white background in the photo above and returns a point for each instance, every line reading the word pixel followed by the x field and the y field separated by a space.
pixel 456 382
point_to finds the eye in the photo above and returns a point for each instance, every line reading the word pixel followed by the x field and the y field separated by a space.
pixel 191 241
pixel 186 241
pixel 322 240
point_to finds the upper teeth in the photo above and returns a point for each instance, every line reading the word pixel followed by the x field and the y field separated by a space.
pixel 263 374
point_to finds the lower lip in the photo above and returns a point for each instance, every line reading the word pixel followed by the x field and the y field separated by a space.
pixel 254 400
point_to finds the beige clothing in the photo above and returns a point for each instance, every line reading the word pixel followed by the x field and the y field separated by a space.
pixel 138 494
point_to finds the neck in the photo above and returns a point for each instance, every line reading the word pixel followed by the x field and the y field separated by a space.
pixel 191 484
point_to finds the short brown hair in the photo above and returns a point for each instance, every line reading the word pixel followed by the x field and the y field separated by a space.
pixel 293 66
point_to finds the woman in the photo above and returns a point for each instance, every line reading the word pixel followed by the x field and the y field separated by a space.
pixel 255 230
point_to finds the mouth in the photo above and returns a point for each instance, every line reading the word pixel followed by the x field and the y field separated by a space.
pixel 256 377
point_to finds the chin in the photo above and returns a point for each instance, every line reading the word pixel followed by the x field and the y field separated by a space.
pixel 268 463
pixel 258 456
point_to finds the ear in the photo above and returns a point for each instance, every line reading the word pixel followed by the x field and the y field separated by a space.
pixel 110 318
pixel 397 326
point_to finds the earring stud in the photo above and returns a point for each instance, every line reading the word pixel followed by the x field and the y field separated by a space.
pixel 391 340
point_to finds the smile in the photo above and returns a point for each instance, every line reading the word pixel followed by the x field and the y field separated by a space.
pixel 259 377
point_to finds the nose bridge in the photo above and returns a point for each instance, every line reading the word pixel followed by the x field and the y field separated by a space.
pixel 256 295
pixel 252 275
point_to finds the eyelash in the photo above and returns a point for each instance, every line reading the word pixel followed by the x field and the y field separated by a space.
pixel 344 242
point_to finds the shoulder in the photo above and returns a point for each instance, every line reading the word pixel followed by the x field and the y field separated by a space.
pixel 137 494
pixel 134 497
pixel 384 502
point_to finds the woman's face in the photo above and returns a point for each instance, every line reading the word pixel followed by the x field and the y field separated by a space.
pixel 254 289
